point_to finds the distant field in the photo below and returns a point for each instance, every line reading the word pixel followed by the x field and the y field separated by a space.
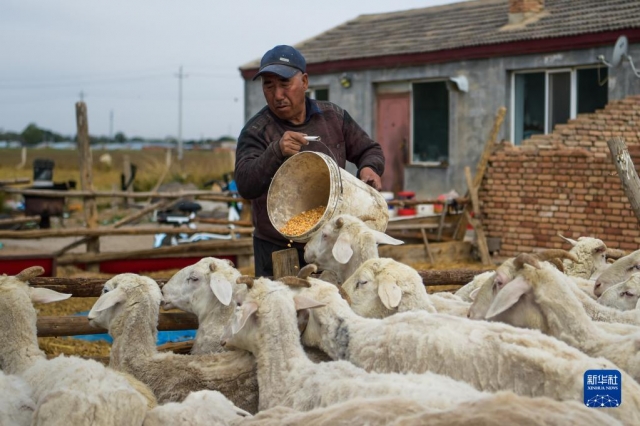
pixel 197 167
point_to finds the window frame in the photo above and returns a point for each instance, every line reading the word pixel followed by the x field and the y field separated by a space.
pixel 573 95
pixel 434 164
pixel 311 91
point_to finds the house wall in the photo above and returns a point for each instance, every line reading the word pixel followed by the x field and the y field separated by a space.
pixel 564 182
pixel 471 114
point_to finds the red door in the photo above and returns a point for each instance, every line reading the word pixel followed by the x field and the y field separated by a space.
pixel 392 132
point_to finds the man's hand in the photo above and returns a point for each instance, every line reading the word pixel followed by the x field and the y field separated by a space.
pixel 291 142
pixel 371 178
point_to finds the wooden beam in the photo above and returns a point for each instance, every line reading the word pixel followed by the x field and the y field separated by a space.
pixel 425 240
pixel 285 263
pixel 213 248
pixel 481 167
pixel 18 220
pixel 451 276
pixel 52 326
pixel 92 287
pixel 205 195
pixel 104 231
pixel 16 181
pixel 460 201
pixel 485 256
pixel 626 172
pixel 223 221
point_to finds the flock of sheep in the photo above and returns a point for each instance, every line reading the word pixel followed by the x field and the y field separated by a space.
pixel 363 344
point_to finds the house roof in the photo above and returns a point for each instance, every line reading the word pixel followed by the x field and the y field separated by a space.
pixel 464 25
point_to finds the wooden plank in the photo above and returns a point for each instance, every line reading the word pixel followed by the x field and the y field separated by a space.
pixel 451 276
pixel 213 248
pixel 159 205
pixel 475 222
pixel 285 263
pixel 18 220
pixel 461 201
pixel 446 252
pixel 626 172
pixel 103 231
pixel 481 167
pixel 52 326
pixel 205 195
pixel 425 240
pixel 401 226
pixel 78 287
pixel 16 181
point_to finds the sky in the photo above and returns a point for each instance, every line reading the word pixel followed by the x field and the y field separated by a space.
pixel 123 57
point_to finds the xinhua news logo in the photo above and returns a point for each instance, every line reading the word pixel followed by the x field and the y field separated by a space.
pixel 602 388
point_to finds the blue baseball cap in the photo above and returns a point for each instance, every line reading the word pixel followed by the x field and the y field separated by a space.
pixel 283 60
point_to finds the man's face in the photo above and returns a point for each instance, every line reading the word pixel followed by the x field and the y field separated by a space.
pixel 286 96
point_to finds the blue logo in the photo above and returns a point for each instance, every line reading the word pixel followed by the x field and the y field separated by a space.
pixel 602 388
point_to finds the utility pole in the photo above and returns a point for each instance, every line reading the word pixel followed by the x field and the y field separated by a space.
pixel 111 126
pixel 180 76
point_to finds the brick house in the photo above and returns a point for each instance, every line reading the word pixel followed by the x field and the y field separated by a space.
pixel 426 83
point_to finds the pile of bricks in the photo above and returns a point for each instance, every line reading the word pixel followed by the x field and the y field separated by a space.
pixel 564 182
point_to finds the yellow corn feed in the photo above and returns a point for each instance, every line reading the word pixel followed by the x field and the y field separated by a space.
pixel 302 222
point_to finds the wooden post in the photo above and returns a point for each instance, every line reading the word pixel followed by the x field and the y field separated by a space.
pixel 426 245
pixel 86 178
pixel 626 172
pixel 475 222
pixel 126 172
pixel 285 263
pixel 482 165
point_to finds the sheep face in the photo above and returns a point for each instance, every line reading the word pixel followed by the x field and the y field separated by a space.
pixel 376 289
pixel 617 272
pixel 336 242
pixel 624 296
pixel 208 279
pixel 115 293
pixel 484 294
pixel 252 317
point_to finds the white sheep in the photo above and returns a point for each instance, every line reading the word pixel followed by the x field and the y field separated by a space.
pixel 503 408
pixel 202 408
pixel 129 308
pixel 490 356
pixel 265 324
pixel 484 294
pixel 206 289
pixel 16 402
pixel 624 296
pixel 602 313
pixel 66 390
pixel 591 254
pixel 617 272
pixel 548 304
pixel 342 244
pixel 464 292
pixel 397 288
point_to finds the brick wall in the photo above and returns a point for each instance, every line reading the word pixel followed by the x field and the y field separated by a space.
pixel 564 182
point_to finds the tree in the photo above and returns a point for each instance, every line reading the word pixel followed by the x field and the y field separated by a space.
pixel 32 134
pixel 120 137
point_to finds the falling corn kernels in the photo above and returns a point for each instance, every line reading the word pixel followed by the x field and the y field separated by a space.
pixel 302 222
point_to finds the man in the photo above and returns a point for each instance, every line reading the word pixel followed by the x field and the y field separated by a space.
pixel 277 132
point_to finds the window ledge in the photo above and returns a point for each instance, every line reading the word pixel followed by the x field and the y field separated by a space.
pixel 429 165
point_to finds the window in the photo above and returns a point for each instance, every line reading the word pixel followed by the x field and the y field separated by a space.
pixel 319 94
pixel 542 99
pixel 430 141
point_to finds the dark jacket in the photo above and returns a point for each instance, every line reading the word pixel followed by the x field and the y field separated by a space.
pixel 258 155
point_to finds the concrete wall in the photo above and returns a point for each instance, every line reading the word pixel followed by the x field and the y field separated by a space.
pixel 471 114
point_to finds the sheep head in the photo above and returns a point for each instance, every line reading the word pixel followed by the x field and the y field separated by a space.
pixel 198 287
pixel 619 271
pixel 624 296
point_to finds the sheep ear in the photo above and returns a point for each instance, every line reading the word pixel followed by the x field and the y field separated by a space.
pixel 44 295
pixel 240 319
pixel 390 294
pixel 304 302
pixel 508 296
pixel 221 288
pixel 106 301
pixel 382 238
pixel 342 250
pixel 474 294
